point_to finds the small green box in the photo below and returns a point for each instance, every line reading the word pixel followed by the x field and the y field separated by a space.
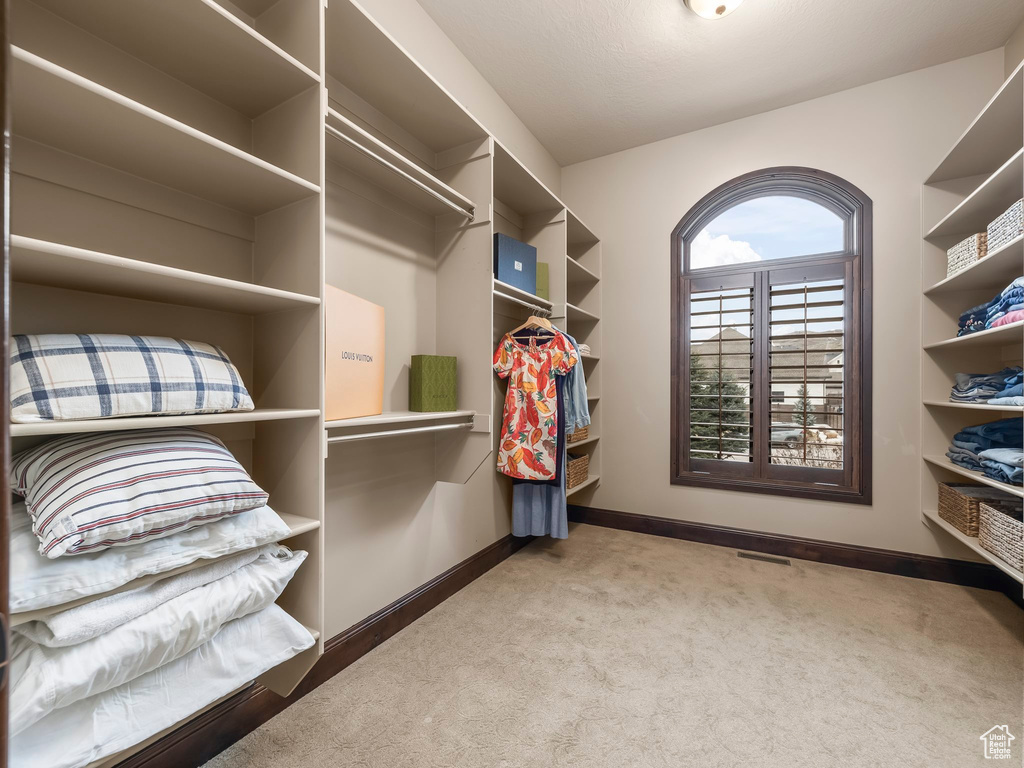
pixel 543 281
pixel 433 384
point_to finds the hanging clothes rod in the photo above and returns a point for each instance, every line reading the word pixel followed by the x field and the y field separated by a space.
pixel 334 132
pixel 536 310
pixel 396 432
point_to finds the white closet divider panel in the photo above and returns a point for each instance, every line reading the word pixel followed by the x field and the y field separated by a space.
pixel 198 42
pixel 90 120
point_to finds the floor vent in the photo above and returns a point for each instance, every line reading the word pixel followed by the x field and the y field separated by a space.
pixel 764 558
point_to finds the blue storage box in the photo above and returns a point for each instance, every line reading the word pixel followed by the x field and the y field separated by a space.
pixel 515 263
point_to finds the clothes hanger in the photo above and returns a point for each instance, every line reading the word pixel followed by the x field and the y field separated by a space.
pixel 536 322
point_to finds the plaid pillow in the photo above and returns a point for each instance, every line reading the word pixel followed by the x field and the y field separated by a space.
pixel 90 492
pixel 66 377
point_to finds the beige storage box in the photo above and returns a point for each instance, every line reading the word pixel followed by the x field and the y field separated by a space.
pixel 354 356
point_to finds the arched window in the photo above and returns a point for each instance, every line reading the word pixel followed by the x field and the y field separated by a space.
pixel 771 337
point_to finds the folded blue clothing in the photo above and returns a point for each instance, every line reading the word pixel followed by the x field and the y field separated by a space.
pixel 1017 283
pixel 967 446
pixel 1004 473
pixel 1009 431
pixel 981 387
pixel 981 309
pixel 1015 391
pixel 1012 456
pixel 1006 401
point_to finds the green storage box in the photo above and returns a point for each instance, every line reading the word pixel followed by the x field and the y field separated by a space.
pixel 433 384
pixel 543 281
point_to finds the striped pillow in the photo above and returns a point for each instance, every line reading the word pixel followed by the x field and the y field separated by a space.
pixel 65 377
pixel 90 492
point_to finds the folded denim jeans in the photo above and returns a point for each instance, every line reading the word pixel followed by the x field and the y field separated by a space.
pixel 1012 456
pixel 1004 473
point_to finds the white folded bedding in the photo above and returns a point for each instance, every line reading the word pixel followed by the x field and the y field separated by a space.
pixel 38 582
pixel 109 722
pixel 84 622
pixel 44 679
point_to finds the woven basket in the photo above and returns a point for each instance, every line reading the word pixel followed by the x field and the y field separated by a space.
pixel 576 470
pixel 1006 227
pixel 1001 531
pixel 578 436
pixel 965 253
pixel 959 504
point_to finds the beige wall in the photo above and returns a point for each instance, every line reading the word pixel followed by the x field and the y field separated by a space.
pixel 1013 52
pixel 412 27
pixel 885 138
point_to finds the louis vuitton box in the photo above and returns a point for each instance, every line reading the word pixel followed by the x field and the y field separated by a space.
pixel 354 364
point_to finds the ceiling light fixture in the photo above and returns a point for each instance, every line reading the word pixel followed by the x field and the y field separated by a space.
pixel 712 9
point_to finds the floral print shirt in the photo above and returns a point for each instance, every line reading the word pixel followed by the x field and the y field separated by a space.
pixel 527 447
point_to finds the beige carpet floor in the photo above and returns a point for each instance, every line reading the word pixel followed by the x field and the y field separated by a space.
pixel 619 650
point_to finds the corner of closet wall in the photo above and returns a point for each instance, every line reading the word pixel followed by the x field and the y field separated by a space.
pixel 974 184
pixel 166 180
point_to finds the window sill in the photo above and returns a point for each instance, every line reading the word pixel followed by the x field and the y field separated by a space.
pixel 819 493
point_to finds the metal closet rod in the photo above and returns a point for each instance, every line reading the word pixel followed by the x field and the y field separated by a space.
pixel 536 310
pixel 332 131
pixel 395 432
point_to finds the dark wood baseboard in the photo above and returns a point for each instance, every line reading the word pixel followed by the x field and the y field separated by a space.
pixel 961 572
pixel 221 726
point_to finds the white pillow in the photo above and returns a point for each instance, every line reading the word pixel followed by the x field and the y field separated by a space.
pixel 72 376
pixel 95 617
pixel 37 582
pixel 93 491
pixel 44 679
pixel 109 722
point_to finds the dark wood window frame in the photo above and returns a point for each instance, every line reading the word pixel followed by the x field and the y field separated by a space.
pixel 854 208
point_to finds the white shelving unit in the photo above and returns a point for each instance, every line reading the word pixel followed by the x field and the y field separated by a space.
pixel 166 176
pixel 202 170
pixel 985 170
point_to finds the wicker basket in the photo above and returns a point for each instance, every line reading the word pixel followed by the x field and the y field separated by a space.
pixel 1006 227
pixel 578 436
pixel 965 253
pixel 1001 531
pixel 959 504
pixel 576 471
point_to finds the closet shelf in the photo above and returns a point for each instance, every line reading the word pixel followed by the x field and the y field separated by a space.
pixel 993 337
pixel 199 43
pixel 159 422
pixel 995 271
pixel 55 106
pixel 997 193
pixel 296 523
pixel 993 136
pixel 364 58
pixel 517 187
pixel 974 406
pixel 590 358
pixel 579 444
pixel 512 292
pixel 585 484
pixel 575 314
pixel 576 273
pixel 64 266
pixel 931 518
pixel 365 155
pixel 578 233
pixel 945 463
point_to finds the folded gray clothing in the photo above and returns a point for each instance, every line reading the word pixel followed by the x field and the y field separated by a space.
pixel 1012 456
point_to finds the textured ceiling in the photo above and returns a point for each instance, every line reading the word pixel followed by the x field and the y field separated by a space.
pixel 590 77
